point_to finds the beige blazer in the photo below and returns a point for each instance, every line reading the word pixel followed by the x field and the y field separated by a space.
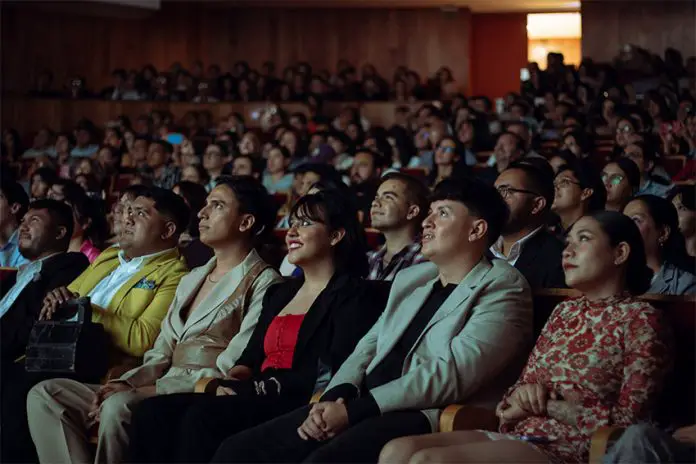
pixel 472 350
pixel 212 325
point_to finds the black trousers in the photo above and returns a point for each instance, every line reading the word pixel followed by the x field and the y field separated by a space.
pixel 277 440
pixel 189 427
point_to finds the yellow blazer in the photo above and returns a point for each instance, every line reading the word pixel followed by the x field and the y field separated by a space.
pixel 134 315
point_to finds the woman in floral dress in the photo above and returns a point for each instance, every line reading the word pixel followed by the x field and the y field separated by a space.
pixel 600 360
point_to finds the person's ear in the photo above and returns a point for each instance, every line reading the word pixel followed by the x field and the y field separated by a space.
pixel 664 235
pixel 478 230
pixel 649 166
pixel 14 208
pixel 586 193
pixel 337 236
pixel 61 233
pixel 413 212
pixel 247 223
pixel 539 205
pixel 169 230
pixel 621 253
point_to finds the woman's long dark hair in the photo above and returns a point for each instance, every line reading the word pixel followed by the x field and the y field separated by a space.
pixel 664 214
pixel 194 195
pixel 337 211
pixel 620 228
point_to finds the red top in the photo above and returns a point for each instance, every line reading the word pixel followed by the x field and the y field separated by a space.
pixel 279 343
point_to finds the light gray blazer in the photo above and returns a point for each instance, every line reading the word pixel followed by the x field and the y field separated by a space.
pixel 472 350
pixel 670 280
pixel 214 313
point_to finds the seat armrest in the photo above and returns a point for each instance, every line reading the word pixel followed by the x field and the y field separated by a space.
pixel 602 439
pixel 316 397
pixel 462 417
pixel 207 385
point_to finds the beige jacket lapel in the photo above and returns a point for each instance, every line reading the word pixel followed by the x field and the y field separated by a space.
pixel 187 291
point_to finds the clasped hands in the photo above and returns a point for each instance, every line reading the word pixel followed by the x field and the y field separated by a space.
pixel 529 400
pixel 325 420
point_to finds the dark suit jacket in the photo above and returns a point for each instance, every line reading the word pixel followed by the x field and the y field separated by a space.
pixel 15 326
pixel 340 316
pixel 540 261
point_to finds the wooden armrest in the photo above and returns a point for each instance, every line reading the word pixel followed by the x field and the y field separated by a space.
pixel 463 417
pixel 207 385
pixel 602 438
pixel 316 397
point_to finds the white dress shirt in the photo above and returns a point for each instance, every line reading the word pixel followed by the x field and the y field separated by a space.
pixel 515 249
pixel 25 274
pixel 102 294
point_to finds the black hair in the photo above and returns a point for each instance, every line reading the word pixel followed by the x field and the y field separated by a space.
pixel 61 216
pixel 256 164
pixel 538 179
pixel 630 168
pixel 202 173
pixel 337 211
pixel 481 199
pixel 377 158
pixel 582 140
pixel 134 191
pixel 324 171
pixel 168 147
pixel 48 175
pixel 566 155
pixel 687 195
pixel 86 208
pixel 417 193
pixel 588 178
pixel 170 205
pixel 194 195
pixel 664 214
pixel 519 143
pixel 620 228
pixel 253 198
pixel 14 193
pixel 283 151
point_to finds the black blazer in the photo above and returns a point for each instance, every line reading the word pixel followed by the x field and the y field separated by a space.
pixel 340 316
pixel 540 261
pixel 15 326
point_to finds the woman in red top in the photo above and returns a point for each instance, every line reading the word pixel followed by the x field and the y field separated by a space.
pixel 307 328
pixel 600 360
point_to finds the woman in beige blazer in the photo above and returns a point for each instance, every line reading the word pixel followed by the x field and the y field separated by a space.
pixel 208 325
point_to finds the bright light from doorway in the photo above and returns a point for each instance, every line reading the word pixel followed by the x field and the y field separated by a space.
pixel 554 26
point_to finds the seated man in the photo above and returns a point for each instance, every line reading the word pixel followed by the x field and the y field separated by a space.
pixel 397 212
pixel 130 289
pixel 206 329
pixel 525 242
pixel 44 236
pixel 455 329
pixel 13 205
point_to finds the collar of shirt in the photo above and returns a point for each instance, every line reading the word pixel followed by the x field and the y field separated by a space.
pixel 515 249
pixel 12 241
pixel 136 263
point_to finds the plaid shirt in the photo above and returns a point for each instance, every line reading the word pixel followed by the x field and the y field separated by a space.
pixel 407 257
pixel 169 177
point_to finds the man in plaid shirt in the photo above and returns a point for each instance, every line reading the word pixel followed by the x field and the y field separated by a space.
pixel 399 207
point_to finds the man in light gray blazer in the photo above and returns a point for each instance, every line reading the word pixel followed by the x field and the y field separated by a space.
pixel 208 325
pixel 455 329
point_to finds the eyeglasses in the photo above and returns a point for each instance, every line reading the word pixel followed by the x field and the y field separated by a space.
pixel 624 129
pixel 564 182
pixel 505 191
pixel 447 149
pixel 613 179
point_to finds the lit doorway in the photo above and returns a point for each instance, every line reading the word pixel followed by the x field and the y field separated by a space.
pixel 554 33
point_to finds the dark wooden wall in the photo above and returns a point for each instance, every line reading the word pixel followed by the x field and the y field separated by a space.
pixel 607 25
pixel 423 39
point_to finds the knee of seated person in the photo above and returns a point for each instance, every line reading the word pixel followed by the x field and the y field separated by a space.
pixel 116 407
pixel 398 450
pixel 43 391
pixel 424 456
pixel 641 432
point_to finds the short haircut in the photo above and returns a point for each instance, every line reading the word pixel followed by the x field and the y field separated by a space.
pixel 538 180
pixel 588 178
pixel 48 175
pixel 519 143
pixel 253 199
pixel 171 206
pixel 283 151
pixel 15 194
pixel 417 193
pixel 481 199
pixel 61 216
pixel 168 148
pixel 377 158
pixel 256 165
pixel 630 168
pixel 134 191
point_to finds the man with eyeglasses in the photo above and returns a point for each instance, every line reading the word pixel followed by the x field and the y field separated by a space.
pixel 525 243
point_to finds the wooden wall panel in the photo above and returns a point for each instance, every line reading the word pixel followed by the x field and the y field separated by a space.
pixel 607 25
pixel 423 39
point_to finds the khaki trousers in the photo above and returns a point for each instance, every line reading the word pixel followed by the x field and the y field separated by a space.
pixel 57 410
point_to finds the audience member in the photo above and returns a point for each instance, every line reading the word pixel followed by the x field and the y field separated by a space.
pixel 578 191
pixel 621 180
pixel 478 317
pixel 600 360
pixel 276 178
pixel 645 443
pixel 164 173
pixel 307 328
pixel 13 205
pixel 525 243
pixel 684 200
pixel 448 161
pixel 195 173
pixel 644 156
pixel 364 177
pixel 245 165
pixel 119 211
pixel 215 162
pixel 208 324
pixel 508 149
pixel 83 146
pixel 398 210
pixel 41 181
pixel 658 223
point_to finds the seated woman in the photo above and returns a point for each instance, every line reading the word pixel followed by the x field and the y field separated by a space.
pixel 658 223
pixel 684 199
pixel 210 321
pixel 276 179
pixel 622 180
pixel 600 360
pixel 645 157
pixel 448 161
pixel 308 327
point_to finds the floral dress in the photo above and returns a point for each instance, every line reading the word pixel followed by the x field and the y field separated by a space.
pixel 611 356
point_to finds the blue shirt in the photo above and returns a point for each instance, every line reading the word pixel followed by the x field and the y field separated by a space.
pixel 283 185
pixel 27 273
pixel 84 152
pixel 10 255
pixel 653 188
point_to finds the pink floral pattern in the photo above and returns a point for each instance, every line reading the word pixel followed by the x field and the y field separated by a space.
pixel 612 356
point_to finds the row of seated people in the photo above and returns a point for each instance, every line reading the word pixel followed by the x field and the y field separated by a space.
pixel 305 215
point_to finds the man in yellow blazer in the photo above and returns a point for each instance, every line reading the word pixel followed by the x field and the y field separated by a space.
pixel 131 286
